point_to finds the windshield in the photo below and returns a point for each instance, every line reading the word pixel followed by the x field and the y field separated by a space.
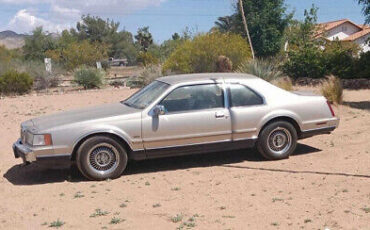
pixel 146 95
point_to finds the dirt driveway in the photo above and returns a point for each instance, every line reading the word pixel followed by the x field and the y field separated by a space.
pixel 325 184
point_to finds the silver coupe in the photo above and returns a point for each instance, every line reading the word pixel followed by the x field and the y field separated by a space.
pixel 177 115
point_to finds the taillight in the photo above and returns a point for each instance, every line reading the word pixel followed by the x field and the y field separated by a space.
pixel 331 109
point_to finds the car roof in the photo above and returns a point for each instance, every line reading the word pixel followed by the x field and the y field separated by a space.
pixel 200 77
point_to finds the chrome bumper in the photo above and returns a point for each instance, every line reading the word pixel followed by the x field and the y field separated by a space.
pixel 23 151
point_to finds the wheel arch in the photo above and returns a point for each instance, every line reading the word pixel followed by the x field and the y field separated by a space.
pixel 282 118
pixel 115 136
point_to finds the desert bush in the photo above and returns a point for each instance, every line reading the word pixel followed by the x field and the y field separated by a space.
pixel 284 83
pixel 89 77
pixel 264 69
pixel 332 89
pixel 149 74
pixel 224 64
pixel 146 59
pixel 200 54
pixel 13 82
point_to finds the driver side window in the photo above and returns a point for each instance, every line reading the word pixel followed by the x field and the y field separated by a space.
pixel 194 97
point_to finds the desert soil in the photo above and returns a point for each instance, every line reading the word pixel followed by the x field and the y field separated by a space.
pixel 325 184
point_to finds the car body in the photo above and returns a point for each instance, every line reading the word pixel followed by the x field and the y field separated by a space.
pixel 177 115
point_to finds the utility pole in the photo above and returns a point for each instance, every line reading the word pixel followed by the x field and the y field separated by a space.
pixel 246 26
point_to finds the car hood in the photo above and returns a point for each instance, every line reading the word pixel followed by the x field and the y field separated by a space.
pixel 80 115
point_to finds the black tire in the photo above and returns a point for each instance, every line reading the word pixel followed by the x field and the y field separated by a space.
pixel 271 143
pixel 97 158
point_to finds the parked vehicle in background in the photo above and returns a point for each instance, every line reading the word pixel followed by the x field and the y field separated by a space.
pixel 178 115
pixel 117 62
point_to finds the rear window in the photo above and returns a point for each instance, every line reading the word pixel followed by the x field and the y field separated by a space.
pixel 243 96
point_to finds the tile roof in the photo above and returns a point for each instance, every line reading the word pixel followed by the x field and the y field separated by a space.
pixel 326 26
pixel 357 35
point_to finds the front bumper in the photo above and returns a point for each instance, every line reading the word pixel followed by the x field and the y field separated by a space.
pixel 23 151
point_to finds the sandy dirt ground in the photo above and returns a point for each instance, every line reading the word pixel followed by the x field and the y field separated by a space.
pixel 326 184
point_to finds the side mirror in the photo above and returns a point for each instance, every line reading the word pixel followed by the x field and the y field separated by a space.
pixel 158 110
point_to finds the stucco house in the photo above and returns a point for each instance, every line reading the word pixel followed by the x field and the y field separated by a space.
pixel 346 31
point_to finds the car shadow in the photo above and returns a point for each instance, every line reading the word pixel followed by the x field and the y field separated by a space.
pixel 35 174
pixel 364 105
pixel 205 160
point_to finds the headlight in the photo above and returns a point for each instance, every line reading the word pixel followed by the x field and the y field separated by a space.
pixel 38 139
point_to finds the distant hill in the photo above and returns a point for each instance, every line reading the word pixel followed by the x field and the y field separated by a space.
pixel 11 39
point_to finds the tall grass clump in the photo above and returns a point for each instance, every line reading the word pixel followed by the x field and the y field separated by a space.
pixel 332 89
pixel 284 83
pixel 89 77
pixel 261 68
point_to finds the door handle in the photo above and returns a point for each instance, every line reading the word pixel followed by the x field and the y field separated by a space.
pixel 219 114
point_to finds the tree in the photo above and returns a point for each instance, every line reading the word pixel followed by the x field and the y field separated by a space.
pixel 122 45
pixel 95 29
pixel 301 34
pixel 36 44
pixel 365 9
pixel 305 55
pixel 144 38
pixel 175 36
pixel 267 20
pixel 227 24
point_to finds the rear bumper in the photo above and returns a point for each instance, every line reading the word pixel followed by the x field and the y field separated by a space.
pixel 327 126
pixel 314 132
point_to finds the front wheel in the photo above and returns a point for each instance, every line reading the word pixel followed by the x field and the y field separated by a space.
pixel 101 157
pixel 277 140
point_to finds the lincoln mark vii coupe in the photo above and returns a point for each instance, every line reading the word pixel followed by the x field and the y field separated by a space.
pixel 177 115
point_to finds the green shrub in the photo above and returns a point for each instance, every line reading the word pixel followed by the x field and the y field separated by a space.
pixel 146 59
pixel 200 54
pixel 332 89
pixel 89 77
pixel 305 62
pixel 362 66
pixel 264 69
pixel 13 82
pixel 340 57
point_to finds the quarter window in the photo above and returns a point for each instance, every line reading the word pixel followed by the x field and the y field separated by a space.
pixel 243 96
pixel 195 97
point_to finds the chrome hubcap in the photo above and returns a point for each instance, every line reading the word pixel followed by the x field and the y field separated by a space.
pixel 279 140
pixel 103 158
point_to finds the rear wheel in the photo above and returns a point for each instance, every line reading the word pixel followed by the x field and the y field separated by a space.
pixel 101 157
pixel 277 140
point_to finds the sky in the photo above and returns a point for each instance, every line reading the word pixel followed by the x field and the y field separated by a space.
pixel 164 17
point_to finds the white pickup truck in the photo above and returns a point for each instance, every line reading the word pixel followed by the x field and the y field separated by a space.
pixel 117 62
